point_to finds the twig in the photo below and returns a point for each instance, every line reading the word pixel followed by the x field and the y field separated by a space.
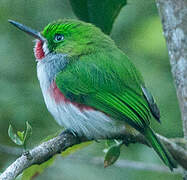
pixel 121 163
pixel 179 153
pixel 144 166
pixel 47 149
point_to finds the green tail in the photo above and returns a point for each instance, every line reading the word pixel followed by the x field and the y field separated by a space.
pixel 160 149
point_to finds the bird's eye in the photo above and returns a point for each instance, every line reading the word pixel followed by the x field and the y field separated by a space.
pixel 58 37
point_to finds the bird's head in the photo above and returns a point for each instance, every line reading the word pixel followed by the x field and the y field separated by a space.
pixel 69 37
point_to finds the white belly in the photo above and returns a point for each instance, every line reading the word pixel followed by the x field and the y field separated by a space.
pixel 91 123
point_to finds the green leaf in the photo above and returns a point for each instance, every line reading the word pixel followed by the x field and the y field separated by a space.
pixel 27 133
pixel 21 135
pixel 112 155
pixel 14 137
pixel 102 13
pixel 75 148
pixel 35 170
pixel 113 152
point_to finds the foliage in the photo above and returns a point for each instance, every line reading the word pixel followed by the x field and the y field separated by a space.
pixel 112 152
pixel 21 137
pixel 101 13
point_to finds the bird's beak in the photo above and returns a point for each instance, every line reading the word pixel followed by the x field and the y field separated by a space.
pixel 32 32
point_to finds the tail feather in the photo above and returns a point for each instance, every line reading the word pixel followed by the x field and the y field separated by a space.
pixel 159 148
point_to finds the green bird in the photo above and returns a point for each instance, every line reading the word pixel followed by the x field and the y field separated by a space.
pixel 90 86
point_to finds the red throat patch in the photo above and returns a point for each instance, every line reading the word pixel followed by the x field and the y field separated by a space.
pixel 59 97
pixel 38 50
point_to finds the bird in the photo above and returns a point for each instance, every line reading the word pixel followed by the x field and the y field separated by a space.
pixel 90 86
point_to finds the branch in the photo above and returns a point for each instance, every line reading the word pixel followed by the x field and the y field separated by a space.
pixel 121 163
pixel 174 14
pixel 46 150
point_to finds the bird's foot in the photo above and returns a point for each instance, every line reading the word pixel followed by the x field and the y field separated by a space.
pixel 28 155
pixel 70 131
pixel 67 131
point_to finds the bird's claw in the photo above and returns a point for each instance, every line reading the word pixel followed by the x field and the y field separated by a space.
pixel 70 131
pixel 27 154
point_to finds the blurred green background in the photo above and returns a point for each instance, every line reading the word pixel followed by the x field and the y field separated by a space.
pixel 137 31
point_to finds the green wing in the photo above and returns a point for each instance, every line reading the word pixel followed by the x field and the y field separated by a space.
pixel 110 84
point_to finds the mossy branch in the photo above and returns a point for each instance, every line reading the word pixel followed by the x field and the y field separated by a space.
pixel 46 150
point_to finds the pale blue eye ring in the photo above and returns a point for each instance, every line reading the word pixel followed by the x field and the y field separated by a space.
pixel 58 38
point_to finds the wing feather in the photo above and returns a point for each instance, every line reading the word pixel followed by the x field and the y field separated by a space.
pixel 107 85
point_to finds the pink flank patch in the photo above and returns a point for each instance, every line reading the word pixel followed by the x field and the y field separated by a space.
pixel 59 97
pixel 38 50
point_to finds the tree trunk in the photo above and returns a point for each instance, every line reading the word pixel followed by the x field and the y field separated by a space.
pixel 174 20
